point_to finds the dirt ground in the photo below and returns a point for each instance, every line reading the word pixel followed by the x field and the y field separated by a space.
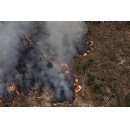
pixel 103 74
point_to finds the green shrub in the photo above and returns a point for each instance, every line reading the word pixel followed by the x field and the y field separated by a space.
pixel 106 64
pixel 97 86
pixel 98 96
pixel 127 100
pixel 84 66
pixel 113 58
pixel 128 72
pixel 120 42
pixel 92 76
pixel 113 95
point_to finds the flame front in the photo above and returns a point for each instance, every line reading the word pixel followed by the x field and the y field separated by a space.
pixel 85 54
pixel 65 65
pixel 90 48
pixel 76 80
pixel 67 71
pixel 1 101
pixel 66 68
pixel 12 88
pixel 78 88
pixel 39 97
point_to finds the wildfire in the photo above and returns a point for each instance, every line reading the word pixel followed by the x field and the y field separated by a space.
pixel 65 65
pixel 39 97
pixel 90 43
pixel 1 101
pixel 66 68
pixel 76 80
pixel 78 88
pixel 12 88
pixel 85 54
pixel 67 71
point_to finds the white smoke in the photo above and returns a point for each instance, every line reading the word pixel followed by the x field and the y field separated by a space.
pixel 62 36
pixel 58 39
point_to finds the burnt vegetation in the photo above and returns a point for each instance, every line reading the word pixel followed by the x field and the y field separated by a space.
pixel 103 74
pixel 39 61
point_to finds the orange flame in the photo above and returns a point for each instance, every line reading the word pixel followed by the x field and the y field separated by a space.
pixel 67 71
pixel 85 54
pixel 1 101
pixel 65 65
pixel 12 88
pixel 88 51
pixel 78 88
pixel 76 80
pixel 91 43
pixel 39 97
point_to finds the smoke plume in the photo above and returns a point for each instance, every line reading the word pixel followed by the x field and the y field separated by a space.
pixel 31 54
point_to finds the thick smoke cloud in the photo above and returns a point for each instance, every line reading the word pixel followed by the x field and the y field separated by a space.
pixel 9 45
pixel 62 36
pixel 39 64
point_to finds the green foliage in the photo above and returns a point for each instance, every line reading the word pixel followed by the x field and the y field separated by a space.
pixel 113 88
pixel 92 76
pixel 97 86
pixel 80 66
pixel 120 42
pixel 127 100
pixel 113 57
pixel 118 26
pixel 89 32
pixel 98 96
pixel 128 71
pixel 97 22
pixel 106 64
pixel 90 61
pixel 128 23
pixel 113 95
pixel 84 66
